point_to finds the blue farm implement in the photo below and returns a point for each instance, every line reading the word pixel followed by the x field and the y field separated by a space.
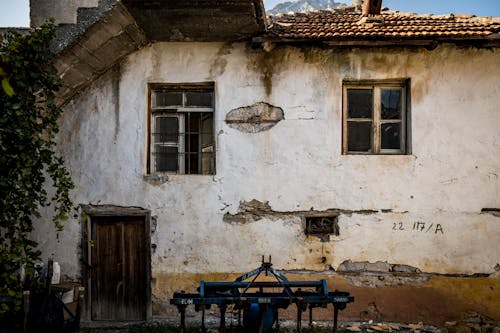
pixel 260 300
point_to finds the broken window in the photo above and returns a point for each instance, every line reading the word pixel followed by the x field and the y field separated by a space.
pixel 181 129
pixel 375 115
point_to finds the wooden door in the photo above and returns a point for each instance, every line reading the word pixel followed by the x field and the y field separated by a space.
pixel 118 278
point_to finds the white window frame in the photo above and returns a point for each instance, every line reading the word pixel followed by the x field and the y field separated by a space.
pixel 376 139
pixel 180 144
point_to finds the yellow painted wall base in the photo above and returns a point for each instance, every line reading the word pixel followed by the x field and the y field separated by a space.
pixel 435 301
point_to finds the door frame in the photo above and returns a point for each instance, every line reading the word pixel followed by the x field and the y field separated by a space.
pixel 91 212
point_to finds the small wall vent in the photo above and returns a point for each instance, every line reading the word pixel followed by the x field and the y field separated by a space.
pixel 322 227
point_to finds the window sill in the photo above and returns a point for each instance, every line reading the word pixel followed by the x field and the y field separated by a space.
pixel 373 154
pixel 155 179
pixel 398 157
pixel 162 178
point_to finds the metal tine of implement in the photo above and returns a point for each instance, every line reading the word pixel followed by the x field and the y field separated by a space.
pixel 276 314
pixel 310 316
pixel 299 317
pixel 261 317
pixel 335 317
pixel 203 328
pixel 222 324
pixel 182 310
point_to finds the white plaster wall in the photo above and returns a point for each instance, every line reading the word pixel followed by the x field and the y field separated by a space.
pixel 450 176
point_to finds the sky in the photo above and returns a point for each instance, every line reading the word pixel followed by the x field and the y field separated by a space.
pixel 15 13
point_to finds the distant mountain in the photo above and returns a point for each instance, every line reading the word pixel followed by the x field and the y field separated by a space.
pixel 303 5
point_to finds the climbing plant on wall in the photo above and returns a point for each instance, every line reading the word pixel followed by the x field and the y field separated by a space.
pixel 28 162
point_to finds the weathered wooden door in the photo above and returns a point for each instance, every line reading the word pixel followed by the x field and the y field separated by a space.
pixel 118 278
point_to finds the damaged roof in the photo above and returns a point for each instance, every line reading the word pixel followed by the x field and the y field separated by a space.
pixel 348 24
pixel 198 20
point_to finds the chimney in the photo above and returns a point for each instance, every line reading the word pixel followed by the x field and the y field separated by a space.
pixel 372 7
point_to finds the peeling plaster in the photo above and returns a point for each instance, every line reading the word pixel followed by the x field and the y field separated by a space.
pixel 492 211
pixel 379 266
pixel 254 210
pixel 255 118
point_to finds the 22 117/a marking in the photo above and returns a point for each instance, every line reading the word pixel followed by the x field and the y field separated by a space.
pixel 419 226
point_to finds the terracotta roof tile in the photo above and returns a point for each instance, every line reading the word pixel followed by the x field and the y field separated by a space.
pixel 347 24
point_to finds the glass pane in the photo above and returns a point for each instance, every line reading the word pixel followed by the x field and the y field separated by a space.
pixel 166 159
pixel 206 160
pixel 206 130
pixel 168 98
pixel 207 148
pixel 166 129
pixel 391 103
pixel 199 99
pixel 193 122
pixel 192 153
pixel 360 103
pixel 359 136
pixel 391 136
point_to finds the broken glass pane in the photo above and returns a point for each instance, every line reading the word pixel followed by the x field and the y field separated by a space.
pixel 391 103
pixel 391 136
pixel 168 98
pixel 207 167
pixel 359 136
pixel 166 159
pixel 167 129
pixel 207 147
pixel 360 103
pixel 199 99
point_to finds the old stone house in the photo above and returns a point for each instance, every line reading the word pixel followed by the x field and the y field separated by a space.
pixel 363 148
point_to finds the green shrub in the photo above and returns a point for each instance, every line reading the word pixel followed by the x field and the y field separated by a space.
pixel 28 125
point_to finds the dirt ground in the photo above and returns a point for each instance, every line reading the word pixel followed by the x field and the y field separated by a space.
pixel 471 324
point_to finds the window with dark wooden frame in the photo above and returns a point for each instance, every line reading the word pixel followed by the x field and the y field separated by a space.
pixel 181 136
pixel 374 117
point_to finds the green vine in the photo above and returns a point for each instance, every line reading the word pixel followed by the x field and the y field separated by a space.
pixel 28 163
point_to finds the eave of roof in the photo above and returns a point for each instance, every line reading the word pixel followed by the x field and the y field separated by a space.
pixel 96 50
pixel 198 20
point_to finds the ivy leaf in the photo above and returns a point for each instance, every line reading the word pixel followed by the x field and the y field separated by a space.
pixel 7 88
